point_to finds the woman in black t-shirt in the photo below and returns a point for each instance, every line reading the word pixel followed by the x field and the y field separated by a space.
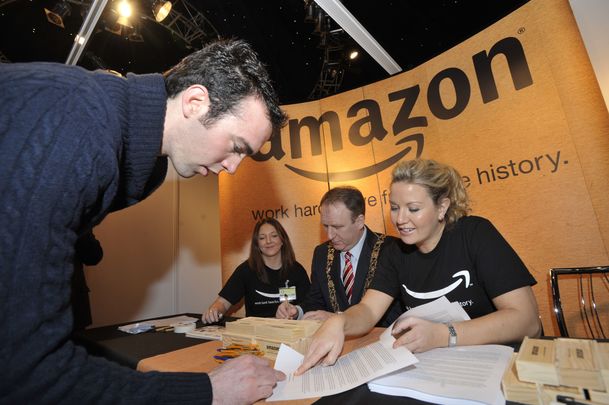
pixel 271 265
pixel 445 253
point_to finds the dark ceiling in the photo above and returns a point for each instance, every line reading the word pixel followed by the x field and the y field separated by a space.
pixel 412 32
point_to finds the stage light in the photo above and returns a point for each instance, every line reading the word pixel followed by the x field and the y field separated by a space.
pixel 353 55
pixel 124 11
pixel 161 9
pixel 60 11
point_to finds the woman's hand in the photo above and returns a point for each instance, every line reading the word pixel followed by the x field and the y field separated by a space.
pixel 212 315
pixel 326 346
pixel 285 310
pixel 419 335
pixel 216 311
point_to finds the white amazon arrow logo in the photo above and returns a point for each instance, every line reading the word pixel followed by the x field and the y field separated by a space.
pixel 268 295
pixel 443 291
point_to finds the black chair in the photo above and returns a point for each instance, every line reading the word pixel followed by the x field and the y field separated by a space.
pixel 593 305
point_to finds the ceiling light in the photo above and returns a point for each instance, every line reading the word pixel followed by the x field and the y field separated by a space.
pixel 161 9
pixel 60 11
pixel 124 11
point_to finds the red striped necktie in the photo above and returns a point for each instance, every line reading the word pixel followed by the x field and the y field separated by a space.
pixel 348 276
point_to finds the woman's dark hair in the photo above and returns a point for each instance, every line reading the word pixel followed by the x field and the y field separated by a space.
pixel 231 71
pixel 255 260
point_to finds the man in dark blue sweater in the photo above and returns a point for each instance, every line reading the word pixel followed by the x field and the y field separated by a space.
pixel 76 145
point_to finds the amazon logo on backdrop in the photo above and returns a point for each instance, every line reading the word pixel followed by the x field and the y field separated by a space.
pixel 405 126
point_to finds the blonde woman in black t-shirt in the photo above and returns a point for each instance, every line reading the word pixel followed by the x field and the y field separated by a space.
pixel 444 253
pixel 271 265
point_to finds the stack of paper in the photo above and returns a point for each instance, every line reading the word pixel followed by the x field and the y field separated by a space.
pixel 280 329
pixel 209 332
pixel 270 333
pixel 456 375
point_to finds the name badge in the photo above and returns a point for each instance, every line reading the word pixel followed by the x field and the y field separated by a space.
pixel 287 294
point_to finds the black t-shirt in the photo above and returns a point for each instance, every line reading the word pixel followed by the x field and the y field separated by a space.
pixel 262 299
pixel 472 264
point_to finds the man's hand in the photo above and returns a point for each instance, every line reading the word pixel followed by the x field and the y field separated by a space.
pixel 286 311
pixel 326 345
pixel 318 315
pixel 243 380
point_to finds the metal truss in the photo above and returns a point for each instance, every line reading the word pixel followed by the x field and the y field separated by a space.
pixel 333 67
pixel 333 43
pixel 189 24
pixel 184 21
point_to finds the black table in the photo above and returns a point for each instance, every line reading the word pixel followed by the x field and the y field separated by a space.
pixel 128 349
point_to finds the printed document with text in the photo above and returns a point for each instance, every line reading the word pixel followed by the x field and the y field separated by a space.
pixel 352 369
pixel 451 375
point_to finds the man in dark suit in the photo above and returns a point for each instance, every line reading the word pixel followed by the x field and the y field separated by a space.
pixel 343 266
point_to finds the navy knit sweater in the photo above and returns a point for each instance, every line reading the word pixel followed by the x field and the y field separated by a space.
pixel 74 145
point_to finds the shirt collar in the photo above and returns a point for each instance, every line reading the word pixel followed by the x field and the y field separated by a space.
pixel 357 249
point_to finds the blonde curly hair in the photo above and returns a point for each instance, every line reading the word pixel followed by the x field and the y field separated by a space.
pixel 440 180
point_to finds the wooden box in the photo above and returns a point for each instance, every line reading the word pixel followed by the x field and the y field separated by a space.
pixel 536 362
pixel 270 333
pixel 516 390
pixel 602 355
pixel 576 364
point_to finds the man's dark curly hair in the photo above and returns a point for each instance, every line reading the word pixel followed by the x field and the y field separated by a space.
pixel 231 71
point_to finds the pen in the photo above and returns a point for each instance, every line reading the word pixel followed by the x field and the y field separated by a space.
pixel 564 399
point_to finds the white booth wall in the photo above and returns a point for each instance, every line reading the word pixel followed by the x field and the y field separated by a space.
pixel 161 256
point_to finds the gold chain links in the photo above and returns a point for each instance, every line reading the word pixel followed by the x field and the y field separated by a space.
pixel 371 270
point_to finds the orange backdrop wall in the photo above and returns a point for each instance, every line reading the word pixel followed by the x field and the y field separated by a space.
pixel 516 109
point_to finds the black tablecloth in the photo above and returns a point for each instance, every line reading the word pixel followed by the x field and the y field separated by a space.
pixel 128 349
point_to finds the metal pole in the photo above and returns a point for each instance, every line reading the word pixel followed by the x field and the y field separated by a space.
pixel 80 41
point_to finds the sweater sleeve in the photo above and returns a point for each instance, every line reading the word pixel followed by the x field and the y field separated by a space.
pixel 71 376
pixel 60 147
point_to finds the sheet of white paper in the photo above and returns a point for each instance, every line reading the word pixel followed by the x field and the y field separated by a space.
pixel 456 375
pixel 440 310
pixel 171 321
pixel 288 359
pixel 351 370
pixel 159 322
